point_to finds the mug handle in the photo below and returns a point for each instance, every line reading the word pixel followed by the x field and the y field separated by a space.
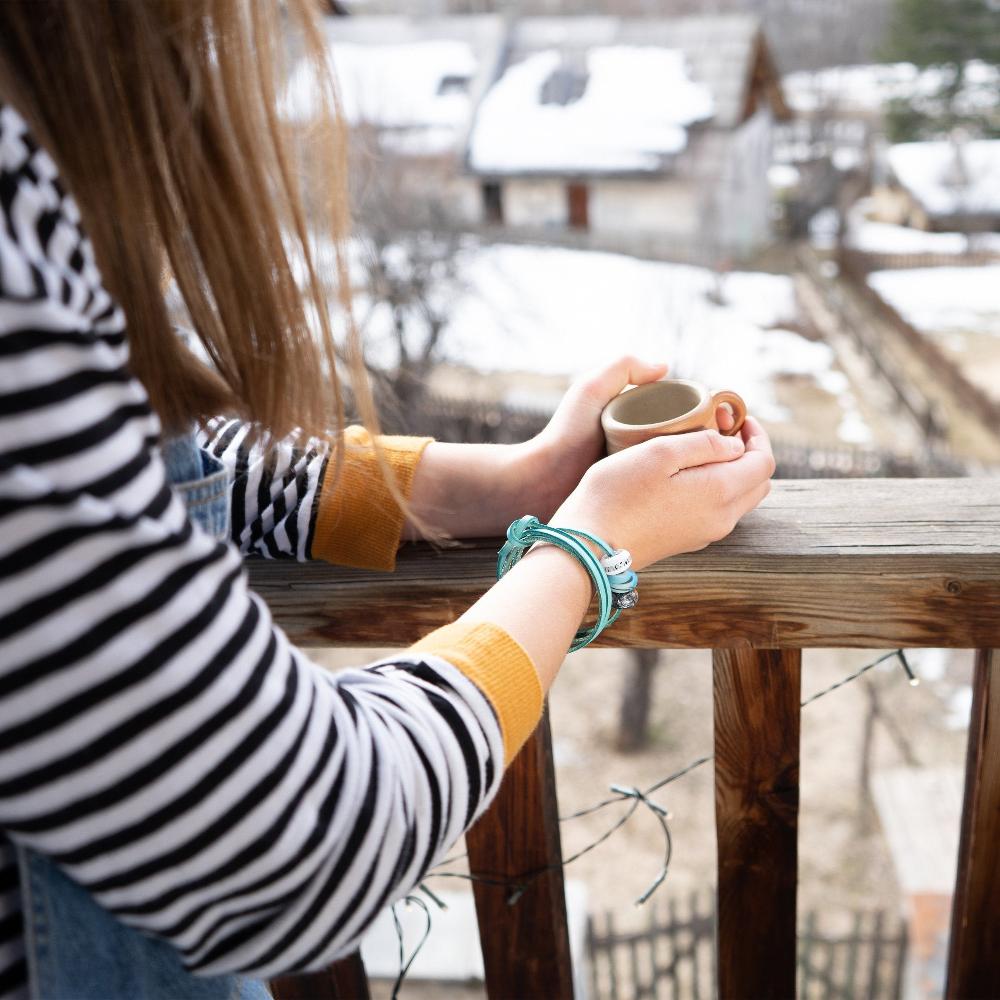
pixel 736 404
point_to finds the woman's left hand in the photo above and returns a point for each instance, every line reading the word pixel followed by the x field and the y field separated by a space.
pixel 555 460
pixel 476 490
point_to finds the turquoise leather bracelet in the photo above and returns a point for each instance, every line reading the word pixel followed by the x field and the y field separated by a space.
pixel 615 590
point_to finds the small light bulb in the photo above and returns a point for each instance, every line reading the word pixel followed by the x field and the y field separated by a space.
pixel 914 682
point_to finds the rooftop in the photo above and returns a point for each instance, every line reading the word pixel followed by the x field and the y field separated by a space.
pixel 950 178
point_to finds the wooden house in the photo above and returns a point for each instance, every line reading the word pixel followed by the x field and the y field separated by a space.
pixel 645 133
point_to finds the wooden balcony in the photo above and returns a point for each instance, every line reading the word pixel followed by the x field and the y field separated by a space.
pixel 823 563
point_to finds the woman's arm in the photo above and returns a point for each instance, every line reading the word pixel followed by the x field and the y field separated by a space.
pixel 664 497
pixel 285 504
pixel 160 738
pixel 476 490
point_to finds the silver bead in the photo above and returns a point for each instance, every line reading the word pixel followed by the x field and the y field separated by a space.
pixel 618 562
pixel 629 600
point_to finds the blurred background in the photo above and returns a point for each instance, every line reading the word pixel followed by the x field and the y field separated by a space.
pixel 795 199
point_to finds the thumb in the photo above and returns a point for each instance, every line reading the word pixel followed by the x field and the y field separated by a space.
pixel 602 386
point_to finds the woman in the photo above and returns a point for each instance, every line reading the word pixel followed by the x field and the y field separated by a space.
pixel 167 759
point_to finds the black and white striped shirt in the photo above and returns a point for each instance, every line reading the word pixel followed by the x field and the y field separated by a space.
pixel 160 738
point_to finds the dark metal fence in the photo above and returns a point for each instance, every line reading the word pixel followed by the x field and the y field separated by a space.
pixel 673 957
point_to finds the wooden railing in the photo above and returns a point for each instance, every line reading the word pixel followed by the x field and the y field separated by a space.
pixel 835 563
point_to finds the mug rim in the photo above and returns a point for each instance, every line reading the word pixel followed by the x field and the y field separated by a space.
pixel 609 419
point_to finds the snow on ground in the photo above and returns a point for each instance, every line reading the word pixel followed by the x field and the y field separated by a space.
pixel 959 706
pixel 944 300
pixel 883 237
pixel 417 89
pixel 634 109
pixel 867 88
pixel 783 176
pixel 946 178
pixel 554 311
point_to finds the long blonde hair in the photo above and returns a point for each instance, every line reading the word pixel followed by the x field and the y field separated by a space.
pixel 162 116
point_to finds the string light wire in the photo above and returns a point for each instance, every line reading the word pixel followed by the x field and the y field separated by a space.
pixel 518 885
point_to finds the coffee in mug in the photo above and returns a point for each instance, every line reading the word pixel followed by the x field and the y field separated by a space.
pixel 673 406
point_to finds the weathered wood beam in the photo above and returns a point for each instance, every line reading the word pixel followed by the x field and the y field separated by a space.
pixel 756 694
pixel 343 980
pixel 822 563
pixel 525 945
pixel 974 951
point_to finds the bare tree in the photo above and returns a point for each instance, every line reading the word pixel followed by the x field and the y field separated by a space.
pixel 637 697
pixel 410 246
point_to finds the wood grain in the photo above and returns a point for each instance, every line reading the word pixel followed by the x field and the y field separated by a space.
pixel 756 695
pixel 865 563
pixel 526 945
pixel 974 953
pixel 343 980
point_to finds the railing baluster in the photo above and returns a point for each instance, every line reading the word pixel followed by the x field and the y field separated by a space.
pixel 525 946
pixel 695 984
pixel 756 695
pixel 875 966
pixel 612 952
pixel 974 959
pixel 343 980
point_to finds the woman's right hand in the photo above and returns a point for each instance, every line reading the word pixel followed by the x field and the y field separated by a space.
pixel 672 494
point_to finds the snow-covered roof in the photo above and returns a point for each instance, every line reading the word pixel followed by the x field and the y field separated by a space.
pixel 633 84
pixel 719 49
pixel 948 178
pixel 416 80
pixel 623 108
pixel 610 94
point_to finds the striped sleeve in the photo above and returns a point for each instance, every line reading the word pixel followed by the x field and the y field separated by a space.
pixel 160 738
pixel 274 488
pixel 287 503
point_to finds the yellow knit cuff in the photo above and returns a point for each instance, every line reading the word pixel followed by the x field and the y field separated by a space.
pixel 358 523
pixel 500 668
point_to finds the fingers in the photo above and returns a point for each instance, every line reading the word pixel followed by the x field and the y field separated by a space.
pixel 687 451
pixel 604 385
pixel 755 437
pixel 749 471
pixel 724 418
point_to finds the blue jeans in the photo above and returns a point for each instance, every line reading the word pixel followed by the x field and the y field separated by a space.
pixel 75 949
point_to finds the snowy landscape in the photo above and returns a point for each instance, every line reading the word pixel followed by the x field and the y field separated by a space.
pixel 944 300
pixel 556 312
pixel 864 233
pixel 959 307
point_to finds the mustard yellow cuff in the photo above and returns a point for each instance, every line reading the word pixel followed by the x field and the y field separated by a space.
pixel 358 523
pixel 500 668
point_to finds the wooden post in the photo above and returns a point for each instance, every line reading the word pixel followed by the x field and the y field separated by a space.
pixel 756 694
pixel 974 959
pixel 344 980
pixel 525 945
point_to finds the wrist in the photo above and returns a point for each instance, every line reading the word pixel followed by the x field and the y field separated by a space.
pixel 575 583
pixel 546 474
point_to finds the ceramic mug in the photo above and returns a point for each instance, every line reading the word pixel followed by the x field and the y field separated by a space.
pixel 669 407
